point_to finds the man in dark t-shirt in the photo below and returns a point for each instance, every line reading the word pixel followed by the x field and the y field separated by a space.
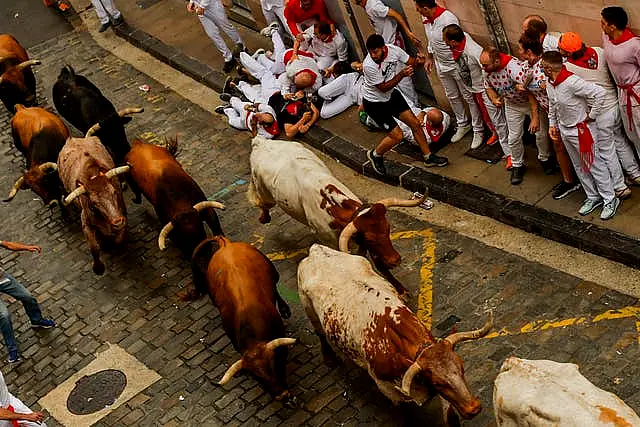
pixel 295 113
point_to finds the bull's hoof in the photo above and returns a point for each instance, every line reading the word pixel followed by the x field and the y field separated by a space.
pixel 98 268
pixel 265 217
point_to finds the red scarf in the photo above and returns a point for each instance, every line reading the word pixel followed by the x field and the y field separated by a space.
pixel 439 11
pixel 289 53
pixel 435 132
pixel 458 52
pixel 504 61
pixel 627 35
pixel 589 60
pixel 585 141
pixel 563 75
pixel 272 129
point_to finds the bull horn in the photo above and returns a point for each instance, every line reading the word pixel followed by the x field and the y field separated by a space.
pixel 47 165
pixel 233 369
pixel 208 204
pixel 279 342
pixel 117 171
pixel 407 379
pixel 74 194
pixel 16 187
pixel 93 129
pixel 162 237
pixel 127 111
pixel 345 236
pixel 391 202
pixel 28 63
pixel 458 337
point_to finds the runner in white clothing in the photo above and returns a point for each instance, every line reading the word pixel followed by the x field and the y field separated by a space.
pixel 273 11
pixel 435 123
pixel 258 118
pixel 108 14
pixel 14 412
pixel 325 46
pixel 385 21
pixel 574 108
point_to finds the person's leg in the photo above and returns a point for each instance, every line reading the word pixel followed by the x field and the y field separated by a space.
pixel 238 105
pixel 600 173
pixel 336 106
pixel 252 66
pixel 452 92
pixel 214 34
pixel 572 146
pixel 236 119
pixel 477 123
pixel 542 137
pixel 606 147
pixel 515 115
pixel 410 119
pixel 279 11
pixel 392 139
pixel 103 16
pixel 7 328
pixel 15 289
pixel 337 87
pixel 408 89
pixel 631 129
pixel 623 149
pixel 252 92
pixel 279 50
pixel 219 17
pixel 268 86
pixel 499 121
pixel 265 62
pixel 111 8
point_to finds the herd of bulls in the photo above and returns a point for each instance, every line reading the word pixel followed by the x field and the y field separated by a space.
pixel 357 309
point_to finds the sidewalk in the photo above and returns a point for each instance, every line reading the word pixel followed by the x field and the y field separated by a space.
pixel 165 29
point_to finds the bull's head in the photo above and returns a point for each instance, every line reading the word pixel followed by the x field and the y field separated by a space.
pixel 111 132
pixel 372 228
pixel 189 230
pixel 442 369
pixel 17 84
pixel 42 180
pixel 265 361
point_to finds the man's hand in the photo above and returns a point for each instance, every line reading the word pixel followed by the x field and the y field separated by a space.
pixel 428 64
pixel 199 11
pixel 300 37
pixel 307 116
pixel 497 101
pixel 421 58
pixel 356 66
pixel 520 87
pixel 554 133
pixel 534 126
pixel 407 71
pixel 36 417
pixel 414 39
pixel 191 7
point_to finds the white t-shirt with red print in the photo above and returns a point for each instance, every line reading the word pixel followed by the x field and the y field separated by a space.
pixel 538 85
pixel 512 71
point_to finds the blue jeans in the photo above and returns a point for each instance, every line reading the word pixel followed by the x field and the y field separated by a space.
pixel 10 286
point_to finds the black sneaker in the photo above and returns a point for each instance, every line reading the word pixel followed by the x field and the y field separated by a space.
pixel 104 27
pixel 517 175
pixel 237 49
pixel 119 20
pixel 44 324
pixel 548 166
pixel 433 160
pixel 220 108
pixel 14 357
pixel 377 163
pixel 564 189
pixel 226 97
pixel 228 65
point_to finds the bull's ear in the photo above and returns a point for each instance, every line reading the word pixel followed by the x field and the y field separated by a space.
pixel 125 119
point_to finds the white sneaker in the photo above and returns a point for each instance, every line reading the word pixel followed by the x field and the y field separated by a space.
pixel 589 206
pixel 257 53
pixel 609 210
pixel 460 133
pixel 478 137
pixel 269 29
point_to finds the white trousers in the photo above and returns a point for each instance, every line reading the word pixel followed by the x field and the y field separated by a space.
pixel 456 92
pixel 610 137
pixel 596 182
pixel 339 95
pixel 268 82
pixel 325 62
pixel 408 89
pixel 236 114
pixel 105 9
pixel 634 132
pixel 276 14
pixel 215 19
pixel 515 114
pixel 497 116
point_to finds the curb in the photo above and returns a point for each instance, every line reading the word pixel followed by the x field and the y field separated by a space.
pixel 585 236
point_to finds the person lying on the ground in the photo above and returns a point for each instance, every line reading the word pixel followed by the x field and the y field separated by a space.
pixel 435 123
pixel 301 73
pixel 295 113
pixel 258 118
pixel 344 91
pixel 255 93
pixel 301 14
pixel 15 413
pixel 327 47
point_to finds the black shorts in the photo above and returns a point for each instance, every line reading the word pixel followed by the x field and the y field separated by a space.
pixel 383 112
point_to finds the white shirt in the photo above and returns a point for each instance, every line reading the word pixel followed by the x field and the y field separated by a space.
pixel 262 108
pixel 441 52
pixel 598 73
pixel 7 399
pixel 572 100
pixel 270 4
pixel 336 48
pixel 469 67
pixel 550 42
pixel 374 73
pixel 286 80
pixel 387 27
pixel 428 132
pixel 504 81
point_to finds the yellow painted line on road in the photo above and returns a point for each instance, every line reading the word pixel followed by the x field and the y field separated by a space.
pixel 282 255
pixel 638 329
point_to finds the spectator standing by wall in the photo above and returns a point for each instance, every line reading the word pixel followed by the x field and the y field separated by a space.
pixel 385 21
pixel 108 14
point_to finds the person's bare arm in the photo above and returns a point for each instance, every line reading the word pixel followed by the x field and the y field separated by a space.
pixel 534 126
pixel 315 115
pixel 387 86
pixel 8 415
pixel 292 130
pixel 13 246
pixel 404 26
pixel 494 97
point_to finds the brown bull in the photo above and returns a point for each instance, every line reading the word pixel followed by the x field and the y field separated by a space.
pixel 176 197
pixel 17 82
pixel 39 135
pixel 88 173
pixel 241 282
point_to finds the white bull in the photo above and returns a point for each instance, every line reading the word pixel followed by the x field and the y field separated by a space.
pixel 544 393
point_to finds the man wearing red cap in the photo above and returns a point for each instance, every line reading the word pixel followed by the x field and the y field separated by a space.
pixel 622 53
pixel 589 64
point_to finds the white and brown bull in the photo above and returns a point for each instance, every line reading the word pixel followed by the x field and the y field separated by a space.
pixel 544 393
pixel 286 174
pixel 358 314
pixel 90 177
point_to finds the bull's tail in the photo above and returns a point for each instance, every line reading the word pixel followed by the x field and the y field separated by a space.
pixel 200 263
pixel 171 144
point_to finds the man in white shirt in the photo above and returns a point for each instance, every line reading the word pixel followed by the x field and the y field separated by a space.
pixel 574 108
pixel 383 103
pixel 385 21
pixel 436 18
pixel 536 25
pixel 273 11
pixel 325 46
pixel 589 64
pixel 343 92
pixel 14 412
pixel 435 123
pixel 258 118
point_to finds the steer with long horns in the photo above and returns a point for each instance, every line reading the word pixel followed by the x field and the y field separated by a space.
pixel 17 82
pixel 241 282
pixel 286 174
pixel 177 199
pixel 39 135
pixel 358 315
pixel 85 107
pixel 89 175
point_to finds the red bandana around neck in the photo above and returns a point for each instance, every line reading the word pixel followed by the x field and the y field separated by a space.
pixel 589 60
pixel 627 35
pixel 435 132
pixel 439 11
pixel 504 61
pixel 458 52
pixel 289 53
pixel 563 75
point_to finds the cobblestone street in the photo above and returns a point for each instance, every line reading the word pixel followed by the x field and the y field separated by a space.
pixel 540 313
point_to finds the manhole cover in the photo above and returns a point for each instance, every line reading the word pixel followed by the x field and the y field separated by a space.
pixel 92 393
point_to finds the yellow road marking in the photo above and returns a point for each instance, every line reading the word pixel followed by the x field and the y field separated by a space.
pixel 638 329
pixel 282 255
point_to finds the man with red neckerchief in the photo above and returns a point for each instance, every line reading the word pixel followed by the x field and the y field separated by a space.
pixel 622 53
pixel 574 107
pixel 589 64
pixel 14 413
pixel 504 74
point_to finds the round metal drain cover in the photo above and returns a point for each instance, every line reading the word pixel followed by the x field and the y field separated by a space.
pixel 92 393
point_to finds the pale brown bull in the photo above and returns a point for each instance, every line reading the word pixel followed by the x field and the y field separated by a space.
pixel 39 135
pixel 89 175
pixel 17 82
pixel 241 282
